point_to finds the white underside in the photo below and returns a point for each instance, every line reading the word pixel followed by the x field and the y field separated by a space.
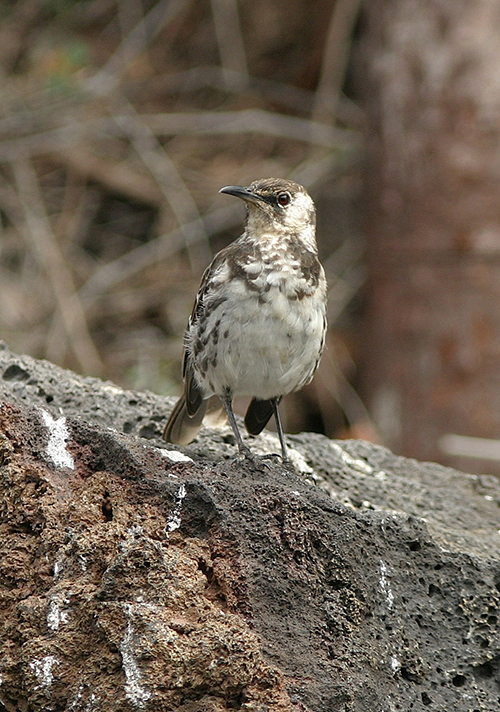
pixel 264 350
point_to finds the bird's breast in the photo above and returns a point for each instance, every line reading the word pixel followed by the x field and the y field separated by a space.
pixel 262 333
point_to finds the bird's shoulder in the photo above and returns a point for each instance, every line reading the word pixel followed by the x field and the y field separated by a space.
pixel 220 270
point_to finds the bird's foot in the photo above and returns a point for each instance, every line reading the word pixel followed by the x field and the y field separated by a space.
pixel 255 463
pixel 288 464
pixel 285 461
pixel 271 456
pixel 244 453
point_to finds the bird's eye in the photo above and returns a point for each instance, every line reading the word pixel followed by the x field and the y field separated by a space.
pixel 284 199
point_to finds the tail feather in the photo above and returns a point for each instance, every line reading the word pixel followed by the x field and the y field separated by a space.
pixel 215 416
pixel 257 416
pixel 181 428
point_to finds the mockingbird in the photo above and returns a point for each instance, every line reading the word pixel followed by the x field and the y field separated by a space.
pixel 258 323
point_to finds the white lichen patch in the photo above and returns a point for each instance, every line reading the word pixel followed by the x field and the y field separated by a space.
pixel 58 569
pixel 360 466
pixel 265 444
pixel 385 585
pixel 57 449
pixel 395 665
pixel 298 461
pixel 77 699
pixel 135 691
pixel 56 614
pixel 42 670
pixel 135 530
pixel 174 520
pixel 175 455
pixel 93 703
pixel 354 462
pixel 111 388
pixel 82 560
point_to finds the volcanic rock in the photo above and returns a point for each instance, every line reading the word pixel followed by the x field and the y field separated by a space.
pixel 135 575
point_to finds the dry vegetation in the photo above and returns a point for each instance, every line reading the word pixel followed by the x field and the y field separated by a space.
pixel 120 120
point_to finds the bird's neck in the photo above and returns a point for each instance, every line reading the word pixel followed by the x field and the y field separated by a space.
pixel 275 237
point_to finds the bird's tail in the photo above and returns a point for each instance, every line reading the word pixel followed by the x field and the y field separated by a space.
pixel 215 416
pixel 258 414
pixel 181 428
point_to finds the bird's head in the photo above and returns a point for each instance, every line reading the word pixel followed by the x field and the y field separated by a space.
pixel 277 205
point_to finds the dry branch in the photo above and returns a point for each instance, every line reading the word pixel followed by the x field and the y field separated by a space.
pixel 117 177
pixel 38 232
pixel 134 43
pixel 246 121
pixel 38 144
pixel 161 167
pixel 335 56
pixel 159 249
pixel 213 77
pixel 230 42
pixel 228 80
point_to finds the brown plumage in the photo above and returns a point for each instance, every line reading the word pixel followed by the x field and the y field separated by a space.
pixel 258 323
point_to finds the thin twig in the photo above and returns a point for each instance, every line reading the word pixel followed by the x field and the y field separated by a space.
pixel 191 80
pixel 39 143
pixel 343 290
pixel 131 19
pixel 335 56
pixel 134 43
pixel 41 238
pixel 350 253
pixel 235 122
pixel 117 176
pixel 161 248
pixel 230 43
pixel 317 170
pixel 339 389
pixel 65 229
pixel 168 178
pixel 204 122
pixel 214 77
pixel 72 206
pixel 468 446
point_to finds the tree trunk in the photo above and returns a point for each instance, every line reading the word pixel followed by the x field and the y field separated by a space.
pixel 431 82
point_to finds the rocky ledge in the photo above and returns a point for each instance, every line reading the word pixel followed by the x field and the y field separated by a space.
pixel 137 576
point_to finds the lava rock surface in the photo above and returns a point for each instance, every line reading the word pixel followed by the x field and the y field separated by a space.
pixel 138 576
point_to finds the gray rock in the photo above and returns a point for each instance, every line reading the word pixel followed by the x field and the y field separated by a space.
pixel 134 578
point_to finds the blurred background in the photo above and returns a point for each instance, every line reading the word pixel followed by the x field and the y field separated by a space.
pixel 121 119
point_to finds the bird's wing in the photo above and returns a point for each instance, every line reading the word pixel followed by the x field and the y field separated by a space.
pixel 194 396
pixel 199 304
pixel 206 285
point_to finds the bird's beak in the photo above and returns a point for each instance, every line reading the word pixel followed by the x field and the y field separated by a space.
pixel 244 193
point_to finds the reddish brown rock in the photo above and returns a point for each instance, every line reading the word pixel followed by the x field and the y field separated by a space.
pixel 105 603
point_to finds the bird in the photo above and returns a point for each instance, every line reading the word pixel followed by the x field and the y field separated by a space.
pixel 258 323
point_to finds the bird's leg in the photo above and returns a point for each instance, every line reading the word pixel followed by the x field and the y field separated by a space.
pixel 228 407
pixel 279 427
